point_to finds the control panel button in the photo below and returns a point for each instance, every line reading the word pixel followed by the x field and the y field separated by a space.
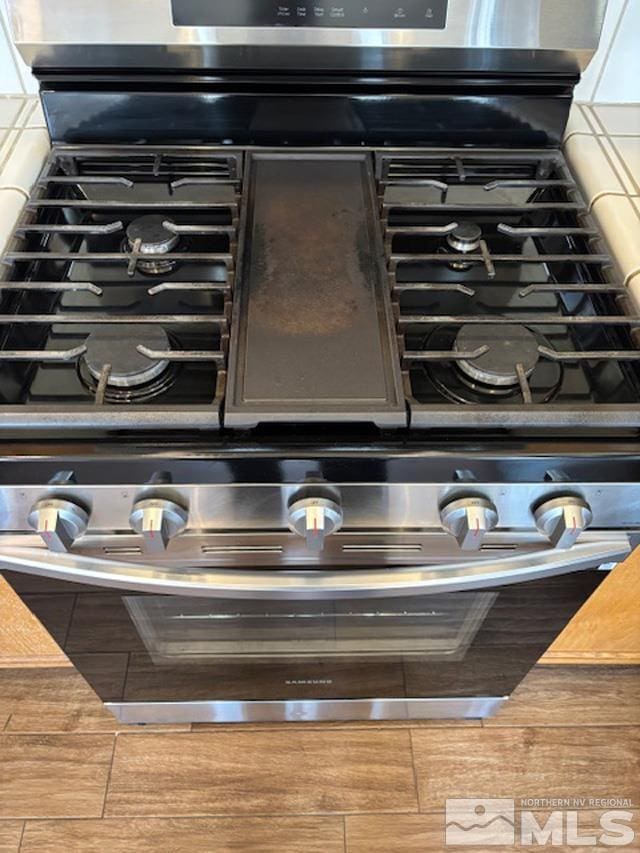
pixel 469 520
pixel 158 520
pixel 563 519
pixel 59 522
pixel 315 518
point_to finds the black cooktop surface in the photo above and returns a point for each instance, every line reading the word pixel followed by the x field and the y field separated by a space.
pixel 122 292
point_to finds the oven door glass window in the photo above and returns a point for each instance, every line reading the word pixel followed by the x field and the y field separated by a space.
pixel 195 630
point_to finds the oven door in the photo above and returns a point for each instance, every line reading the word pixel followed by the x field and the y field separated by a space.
pixel 167 645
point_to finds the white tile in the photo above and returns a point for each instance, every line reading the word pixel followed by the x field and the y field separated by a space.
pixel 11 204
pixel 37 118
pixel 620 81
pixel 10 110
pixel 26 160
pixel 619 119
pixel 628 148
pixel 619 220
pixel 617 162
pixel 591 168
pixel 577 122
pixel 586 89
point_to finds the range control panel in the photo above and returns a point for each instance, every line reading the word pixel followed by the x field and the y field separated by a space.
pixel 362 14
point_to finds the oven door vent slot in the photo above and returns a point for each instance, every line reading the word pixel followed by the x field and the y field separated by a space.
pixel 382 549
pixel 122 550
pixel 241 549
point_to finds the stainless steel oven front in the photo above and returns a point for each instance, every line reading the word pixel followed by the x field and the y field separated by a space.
pixel 163 641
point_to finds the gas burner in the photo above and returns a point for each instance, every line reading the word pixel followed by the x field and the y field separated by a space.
pixel 508 346
pixel 465 239
pixel 454 381
pixel 149 236
pixel 116 344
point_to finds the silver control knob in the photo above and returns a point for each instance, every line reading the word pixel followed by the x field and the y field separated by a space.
pixel 469 520
pixel 158 520
pixel 315 519
pixel 563 519
pixel 59 522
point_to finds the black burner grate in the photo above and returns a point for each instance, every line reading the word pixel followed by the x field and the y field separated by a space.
pixel 500 240
pixel 72 269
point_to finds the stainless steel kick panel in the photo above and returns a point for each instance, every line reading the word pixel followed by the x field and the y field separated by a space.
pixel 308 710
pixel 370 507
pixel 480 35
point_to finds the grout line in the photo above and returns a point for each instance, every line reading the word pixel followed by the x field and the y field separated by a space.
pixel 607 57
pixel 586 114
pixel 598 120
pixel 108 782
pixel 629 278
pixel 12 146
pixel 16 189
pixel 576 133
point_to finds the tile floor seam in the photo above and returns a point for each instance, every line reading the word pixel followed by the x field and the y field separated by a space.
pixel 415 771
pixel 22 831
pixel 108 780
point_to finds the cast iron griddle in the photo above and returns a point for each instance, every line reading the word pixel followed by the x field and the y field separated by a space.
pixel 313 338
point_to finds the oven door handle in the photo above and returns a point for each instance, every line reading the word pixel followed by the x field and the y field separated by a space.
pixel 311 583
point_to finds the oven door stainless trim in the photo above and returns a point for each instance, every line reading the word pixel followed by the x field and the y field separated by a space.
pixel 311 584
pixel 305 710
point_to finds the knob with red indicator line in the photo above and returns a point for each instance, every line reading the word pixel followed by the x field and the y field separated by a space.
pixel 562 519
pixel 469 520
pixel 315 518
pixel 158 520
pixel 59 522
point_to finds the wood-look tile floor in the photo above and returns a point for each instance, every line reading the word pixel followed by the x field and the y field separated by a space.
pixel 72 779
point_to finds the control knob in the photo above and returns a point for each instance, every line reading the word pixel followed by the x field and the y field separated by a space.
pixel 59 522
pixel 315 518
pixel 563 519
pixel 158 520
pixel 469 520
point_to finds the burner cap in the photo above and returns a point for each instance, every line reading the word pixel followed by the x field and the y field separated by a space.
pixel 154 237
pixel 148 236
pixel 116 345
pixel 466 237
pixel 508 347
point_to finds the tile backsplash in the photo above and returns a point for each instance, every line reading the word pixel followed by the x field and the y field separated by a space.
pixel 613 76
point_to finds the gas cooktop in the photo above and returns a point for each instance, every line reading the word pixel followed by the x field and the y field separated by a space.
pixel 182 288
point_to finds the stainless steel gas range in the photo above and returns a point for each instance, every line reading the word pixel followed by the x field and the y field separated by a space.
pixel 320 398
